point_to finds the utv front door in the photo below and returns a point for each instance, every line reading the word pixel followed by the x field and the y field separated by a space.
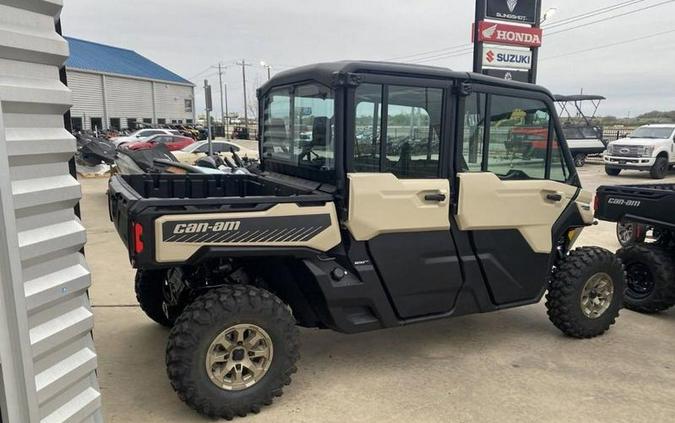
pixel 399 203
pixel 514 185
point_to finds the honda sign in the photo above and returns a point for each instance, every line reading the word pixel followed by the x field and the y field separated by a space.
pixel 499 57
pixel 522 11
pixel 499 33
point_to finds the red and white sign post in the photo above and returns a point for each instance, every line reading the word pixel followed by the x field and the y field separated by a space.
pixel 519 61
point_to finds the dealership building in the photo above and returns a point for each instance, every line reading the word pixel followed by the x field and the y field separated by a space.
pixel 116 88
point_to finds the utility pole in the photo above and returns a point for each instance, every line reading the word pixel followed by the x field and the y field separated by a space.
pixel 227 115
pixel 222 110
pixel 243 65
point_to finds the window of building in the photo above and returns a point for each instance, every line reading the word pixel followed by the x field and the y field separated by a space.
pixel 161 121
pixel 115 124
pixel 474 132
pixel 96 124
pixel 518 137
pixel 173 121
pixel 368 126
pixel 76 123
pixel 188 105
pixel 147 121
pixel 188 121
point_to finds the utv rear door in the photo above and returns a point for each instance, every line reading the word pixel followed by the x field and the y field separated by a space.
pixel 399 193
pixel 514 183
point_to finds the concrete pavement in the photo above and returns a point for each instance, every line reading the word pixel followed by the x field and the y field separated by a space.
pixel 507 366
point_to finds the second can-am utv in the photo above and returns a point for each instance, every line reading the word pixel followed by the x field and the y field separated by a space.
pixel 385 196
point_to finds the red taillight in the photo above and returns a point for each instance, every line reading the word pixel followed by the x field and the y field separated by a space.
pixel 138 238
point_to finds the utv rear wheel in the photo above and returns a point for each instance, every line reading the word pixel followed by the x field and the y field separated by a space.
pixel 628 233
pixel 650 278
pixel 149 289
pixel 586 292
pixel 660 168
pixel 232 351
pixel 612 171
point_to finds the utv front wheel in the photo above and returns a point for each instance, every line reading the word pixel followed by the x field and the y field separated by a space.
pixel 650 278
pixel 579 160
pixel 149 287
pixel 232 351
pixel 586 292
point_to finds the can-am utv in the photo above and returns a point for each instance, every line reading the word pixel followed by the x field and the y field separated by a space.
pixel 385 196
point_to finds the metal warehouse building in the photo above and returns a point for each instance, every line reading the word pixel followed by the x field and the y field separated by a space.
pixel 115 88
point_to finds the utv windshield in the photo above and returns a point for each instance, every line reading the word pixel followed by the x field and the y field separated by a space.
pixel 299 127
pixel 649 132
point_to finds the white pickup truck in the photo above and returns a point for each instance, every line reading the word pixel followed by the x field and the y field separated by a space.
pixel 650 148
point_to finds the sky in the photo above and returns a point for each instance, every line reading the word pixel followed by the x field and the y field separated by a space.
pixel 189 37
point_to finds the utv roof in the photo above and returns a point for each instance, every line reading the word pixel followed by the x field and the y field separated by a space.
pixel 578 97
pixel 325 74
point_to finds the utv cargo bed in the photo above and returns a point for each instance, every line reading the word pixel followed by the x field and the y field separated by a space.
pixel 135 202
pixel 651 204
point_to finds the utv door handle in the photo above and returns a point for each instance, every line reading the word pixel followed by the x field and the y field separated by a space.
pixel 554 197
pixel 434 197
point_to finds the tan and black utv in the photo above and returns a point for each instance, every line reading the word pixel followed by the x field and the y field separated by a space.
pixel 386 195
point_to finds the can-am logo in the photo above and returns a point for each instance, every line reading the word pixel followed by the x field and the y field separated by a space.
pixel 499 33
pixel 507 58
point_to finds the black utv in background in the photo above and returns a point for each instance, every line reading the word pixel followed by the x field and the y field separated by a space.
pixel 385 196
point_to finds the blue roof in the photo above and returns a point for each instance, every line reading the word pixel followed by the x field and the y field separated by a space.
pixel 87 55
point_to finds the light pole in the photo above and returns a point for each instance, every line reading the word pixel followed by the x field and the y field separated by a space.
pixel 269 69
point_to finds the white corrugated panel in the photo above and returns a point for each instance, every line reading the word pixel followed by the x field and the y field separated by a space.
pixel 129 98
pixel 87 89
pixel 170 100
pixel 47 354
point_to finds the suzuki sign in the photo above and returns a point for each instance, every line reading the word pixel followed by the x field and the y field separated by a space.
pixel 522 11
pixel 499 57
pixel 499 33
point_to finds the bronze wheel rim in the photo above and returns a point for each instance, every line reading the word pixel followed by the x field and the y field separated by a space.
pixel 239 357
pixel 596 296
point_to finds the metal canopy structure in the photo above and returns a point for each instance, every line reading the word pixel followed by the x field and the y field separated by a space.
pixel 577 101
pixel 47 356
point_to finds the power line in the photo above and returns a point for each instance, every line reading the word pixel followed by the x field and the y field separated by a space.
pixel 463 49
pixel 609 18
pixel 632 40
pixel 468 50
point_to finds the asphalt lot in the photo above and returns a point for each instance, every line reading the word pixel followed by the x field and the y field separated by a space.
pixel 507 366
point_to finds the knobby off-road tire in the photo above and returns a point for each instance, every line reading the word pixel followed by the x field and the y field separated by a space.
pixel 210 318
pixel 579 160
pixel 569 290
pixel 650 278
pixel 149 289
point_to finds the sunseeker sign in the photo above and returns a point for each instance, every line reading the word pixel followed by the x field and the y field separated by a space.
pixel 499 33
pixel 522 11
pixel 498 57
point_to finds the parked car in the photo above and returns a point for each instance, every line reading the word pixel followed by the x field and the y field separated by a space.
pixel 142 134
pixel 172 142
pixel 197 150
pixel 648 148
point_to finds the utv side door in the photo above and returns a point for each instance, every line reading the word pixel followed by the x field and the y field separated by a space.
pixel 399 193
pixel 514 184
